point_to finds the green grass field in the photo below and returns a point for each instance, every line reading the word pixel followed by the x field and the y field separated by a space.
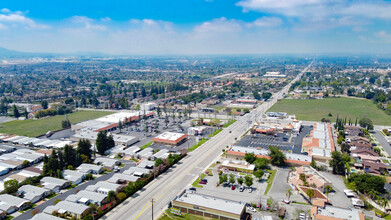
pixel 315 110
pixel 33 128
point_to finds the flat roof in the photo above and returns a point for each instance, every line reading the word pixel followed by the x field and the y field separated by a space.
pixel 206 201
pixel 170 136
pixel 336 212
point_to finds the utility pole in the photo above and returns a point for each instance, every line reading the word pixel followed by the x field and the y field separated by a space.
pixel 152 207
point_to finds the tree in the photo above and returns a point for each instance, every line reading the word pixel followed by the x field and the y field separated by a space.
pixel 248 180
pixel 266 95
pixel 313 164
pixel 277 158
pixel 101 142
pixel 11 186
pixel 44 104
pixel 310 193
pixel 111 196
pixel 121 196
pixel 65 123
pixel 84 147
pixel 289 193
pixel 158 161
pixel 25 163
pixel 69 155
pixel 15 111
pixel 328 189
pixel 223 178
pixel 261 163
pixel 259 174
pixel 250 157
pixel 110 142
pixel 366 123
pixel 232 178
pixel 256 95
pixel 240 180
pixel 337 163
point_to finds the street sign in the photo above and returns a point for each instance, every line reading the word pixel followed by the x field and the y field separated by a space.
pixel 175 211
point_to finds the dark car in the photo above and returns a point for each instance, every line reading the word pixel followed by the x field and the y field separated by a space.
pixel 233 187
pixel 193 189
pixel 202 182
pixel 205 180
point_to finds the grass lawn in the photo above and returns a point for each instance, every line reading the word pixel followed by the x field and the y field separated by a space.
pixel 33 128
pixel 195 146
pixel 270 180
pixel 195 183
pixel 315 110
pixel 169 216
pixel 146 145
pixel 215 132
pixel 230 122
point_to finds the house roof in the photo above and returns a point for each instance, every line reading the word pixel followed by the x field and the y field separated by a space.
pixel 71 207
pixel 44 216
pixel 12 200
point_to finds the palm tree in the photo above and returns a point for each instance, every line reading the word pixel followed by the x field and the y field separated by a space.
pixel 328 189
pixel 310 194
pixel 289 193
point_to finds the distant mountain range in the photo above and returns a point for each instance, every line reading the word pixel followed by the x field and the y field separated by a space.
pixel 4 52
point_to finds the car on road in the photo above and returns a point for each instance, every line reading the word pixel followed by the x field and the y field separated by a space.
pixel 202 182
pixel 241 188
pixel 286 201
pixel 192 189
pixel 250 190
pixel 252 209
pixel 233 187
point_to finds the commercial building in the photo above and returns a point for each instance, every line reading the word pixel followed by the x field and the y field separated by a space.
pixel 320 143
pixel 148 106
pixel 208 206
pixel 292 159
pixel 335 213
pixel 239 166
pixel 119 139
pixel 196 130
pixel 170 138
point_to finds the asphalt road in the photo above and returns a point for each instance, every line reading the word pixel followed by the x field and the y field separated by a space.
pixel 168 185
pixel 63 196
pixel 382 140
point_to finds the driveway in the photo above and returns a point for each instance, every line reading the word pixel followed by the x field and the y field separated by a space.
pixel 280 186
pixel 337 198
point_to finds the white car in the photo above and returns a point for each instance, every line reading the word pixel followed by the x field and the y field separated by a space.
pixel 250 190
pixel 252 209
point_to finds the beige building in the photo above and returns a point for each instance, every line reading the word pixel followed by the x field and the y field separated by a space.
pixel 208 206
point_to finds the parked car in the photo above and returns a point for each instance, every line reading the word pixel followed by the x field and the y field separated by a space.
pixel 250 190
pixel 241 189
pixel 252 209
pixel 233 187
pixel 193 189
pixel 205 180
pixel 286 201
pixel 202 182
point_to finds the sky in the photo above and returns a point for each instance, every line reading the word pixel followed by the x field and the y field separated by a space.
pixel 194 27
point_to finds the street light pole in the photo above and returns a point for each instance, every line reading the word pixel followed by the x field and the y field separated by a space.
pixel 152 207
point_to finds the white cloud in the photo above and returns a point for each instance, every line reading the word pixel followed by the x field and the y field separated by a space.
pixel 105 19
pixel 219 25
pixel 88 23
pixel 5 10
pixel 267 22
pixel 18 19
pixel 376 9
pixel 383 35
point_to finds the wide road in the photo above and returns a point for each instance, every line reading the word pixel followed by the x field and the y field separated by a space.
pixel 168 185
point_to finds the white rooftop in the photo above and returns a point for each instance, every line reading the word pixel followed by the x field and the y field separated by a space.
pixel 171 136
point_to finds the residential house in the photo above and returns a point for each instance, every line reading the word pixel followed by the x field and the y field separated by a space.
pixel 54 184
pixel 86 197
pixel 122 178
pixel 44 216
pixel 75 177
pixel 74 209
pixel 90 168
pixel 33 193
pixel 108 163
pixel 10 203
pixel 104 187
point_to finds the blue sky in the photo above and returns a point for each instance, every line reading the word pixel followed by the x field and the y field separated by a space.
pixel 196 26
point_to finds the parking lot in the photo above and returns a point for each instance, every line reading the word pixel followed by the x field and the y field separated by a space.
pixel 285 141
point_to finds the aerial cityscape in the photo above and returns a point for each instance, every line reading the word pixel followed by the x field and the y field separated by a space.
pixel 198 109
